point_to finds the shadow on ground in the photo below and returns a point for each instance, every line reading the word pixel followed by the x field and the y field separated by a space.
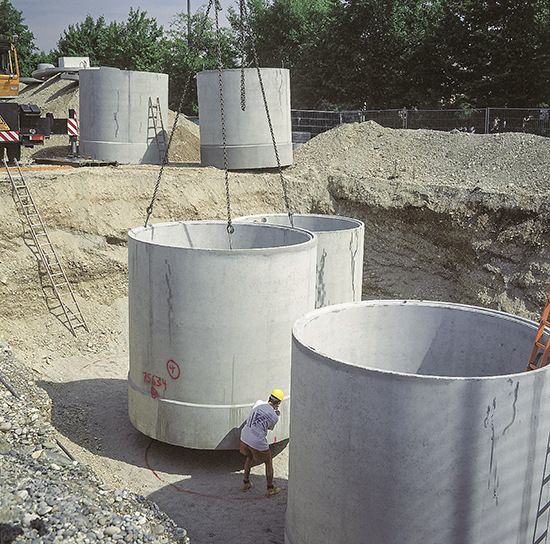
pixel 200 490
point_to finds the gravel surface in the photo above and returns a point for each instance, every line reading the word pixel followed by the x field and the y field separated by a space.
pixel 47 496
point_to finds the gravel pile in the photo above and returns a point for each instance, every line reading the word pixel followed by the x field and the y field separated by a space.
pixel 47 496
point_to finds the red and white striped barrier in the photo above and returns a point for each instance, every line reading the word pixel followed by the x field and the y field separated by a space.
pixel 72 127
pixel 9 136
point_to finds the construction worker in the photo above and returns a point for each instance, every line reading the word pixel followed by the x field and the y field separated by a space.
pixel 254 445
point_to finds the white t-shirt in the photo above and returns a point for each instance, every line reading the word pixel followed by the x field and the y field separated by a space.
pixel 261 418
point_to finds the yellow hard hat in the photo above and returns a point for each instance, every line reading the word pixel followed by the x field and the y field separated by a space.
pixel 278 394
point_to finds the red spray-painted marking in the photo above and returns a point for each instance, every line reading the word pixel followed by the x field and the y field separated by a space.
pixel 155 381
pixel 173 369
pixel 90 364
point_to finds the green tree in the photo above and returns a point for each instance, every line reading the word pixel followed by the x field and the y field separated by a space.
pixel 424 73
pixel 192 47
pixel 11 24
pixel 541 57
pixel 441 53
pixel 365 66
pixel 136 44
pixel 501 49
pixel 86 39
pixel 286 34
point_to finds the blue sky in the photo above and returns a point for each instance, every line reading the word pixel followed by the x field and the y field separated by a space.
pixel 47 19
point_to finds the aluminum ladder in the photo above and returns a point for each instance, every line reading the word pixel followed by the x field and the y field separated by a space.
pixel 544 503
pixel 155 114
pixel 538 358
pixel 43 244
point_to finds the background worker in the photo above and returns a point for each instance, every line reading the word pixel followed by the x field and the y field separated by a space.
pixel 254 445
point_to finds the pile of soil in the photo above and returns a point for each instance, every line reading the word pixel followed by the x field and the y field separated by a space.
pixel 448 216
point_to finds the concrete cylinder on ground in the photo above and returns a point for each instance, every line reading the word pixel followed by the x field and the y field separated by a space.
pixel 210 326
pixel 339 253
pixel 116 122
pixel 248 138
pixel 415 422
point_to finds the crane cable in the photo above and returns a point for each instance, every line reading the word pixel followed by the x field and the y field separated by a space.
pixel 193 58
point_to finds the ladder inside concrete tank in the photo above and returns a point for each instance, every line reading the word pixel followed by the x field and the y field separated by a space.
pixel 157 126
pixel 43 244
pixel 541 348
pixel 540 534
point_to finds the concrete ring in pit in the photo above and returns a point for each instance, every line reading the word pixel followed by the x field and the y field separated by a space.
pixel 415 422
pixel 340 243
pixel 210 318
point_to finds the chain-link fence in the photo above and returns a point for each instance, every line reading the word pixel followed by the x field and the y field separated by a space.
pixel 307 123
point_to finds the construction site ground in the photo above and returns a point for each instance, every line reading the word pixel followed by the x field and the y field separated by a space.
pixel 448 216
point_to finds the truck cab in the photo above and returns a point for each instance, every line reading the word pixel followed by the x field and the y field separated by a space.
pixel 9 68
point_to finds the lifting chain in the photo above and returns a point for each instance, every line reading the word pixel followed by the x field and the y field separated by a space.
pixel 193 58
pixel 242 35
pixel 245 25
pixel 244 29
pixel 230 228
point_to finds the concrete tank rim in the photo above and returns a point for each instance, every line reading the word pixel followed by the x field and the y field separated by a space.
pixel 300 324
pixel 311 238
pixel 113 68
pixel 246 70
pixel 353 222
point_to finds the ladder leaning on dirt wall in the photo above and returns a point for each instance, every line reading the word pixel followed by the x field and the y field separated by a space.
pixel 59 281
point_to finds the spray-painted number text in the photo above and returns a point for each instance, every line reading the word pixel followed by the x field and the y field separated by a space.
pixel 156 381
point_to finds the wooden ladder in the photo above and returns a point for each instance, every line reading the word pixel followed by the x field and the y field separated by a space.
pixel 155 114
pixel 43 244
pixel 541 349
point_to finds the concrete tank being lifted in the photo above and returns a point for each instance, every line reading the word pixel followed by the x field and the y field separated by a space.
pixel 415 422
pixel 248 138
pixel 339 253
pixel 116 120
pixel 210 321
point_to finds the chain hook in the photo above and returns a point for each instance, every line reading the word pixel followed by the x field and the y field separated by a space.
pixel 222 118
pixel 291 219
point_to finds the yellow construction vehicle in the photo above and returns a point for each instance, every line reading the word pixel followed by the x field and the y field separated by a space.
pixel 9 68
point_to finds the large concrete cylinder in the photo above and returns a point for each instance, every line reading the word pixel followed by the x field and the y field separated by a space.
pixel 415 422
pixel 248 138
pixel 339 253
pixel 116 121
pixel 210 326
